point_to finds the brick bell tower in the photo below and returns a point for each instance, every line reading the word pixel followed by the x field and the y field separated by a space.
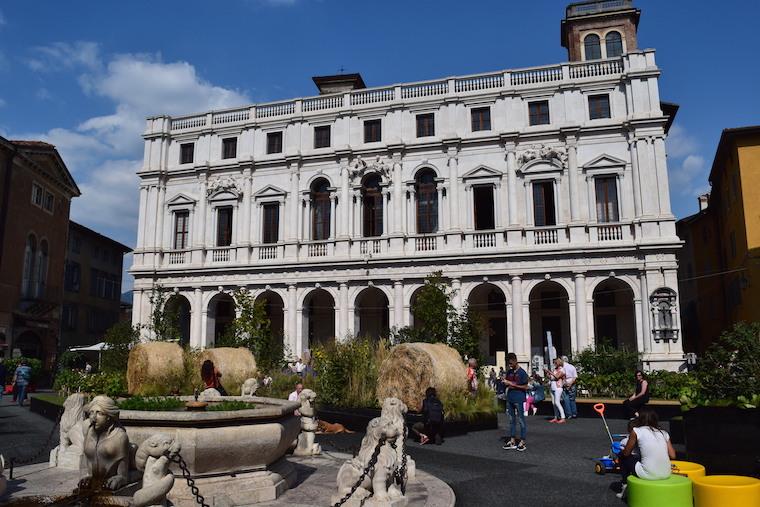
pixel 599 29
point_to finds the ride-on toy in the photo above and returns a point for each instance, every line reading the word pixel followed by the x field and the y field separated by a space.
pixel 611 462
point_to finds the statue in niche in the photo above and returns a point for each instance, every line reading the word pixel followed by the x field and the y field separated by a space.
pixel 106 447
pixel 539 151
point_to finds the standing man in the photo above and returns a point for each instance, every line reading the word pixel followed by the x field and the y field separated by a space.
pixel 517 384
pixel 21 379
pixel 295 394
pixel 570 389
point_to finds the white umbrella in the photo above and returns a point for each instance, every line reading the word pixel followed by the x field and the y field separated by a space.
pixel 98 347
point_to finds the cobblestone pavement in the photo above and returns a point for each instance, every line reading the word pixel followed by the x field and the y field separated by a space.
pixel 22 433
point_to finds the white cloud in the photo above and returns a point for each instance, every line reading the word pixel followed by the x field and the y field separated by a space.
pixel 680 143
pixel 3 22
pixel 687 167
pixel 104 152
pixel 2 102
pixel 43 94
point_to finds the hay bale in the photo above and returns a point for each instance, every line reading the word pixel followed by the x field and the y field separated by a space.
pixel 410 368
pixel 154 367
pixel 235 364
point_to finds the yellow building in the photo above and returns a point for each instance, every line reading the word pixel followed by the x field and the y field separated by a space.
pixel 720 264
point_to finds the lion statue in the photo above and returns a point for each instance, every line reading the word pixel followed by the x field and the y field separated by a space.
pixel 378 483
pixel 249 387
pixel 73 425
pixel 153 459
pixel 305 445
pixel 395 410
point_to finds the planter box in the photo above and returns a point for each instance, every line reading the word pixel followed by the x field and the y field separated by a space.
pixel 724 439
pixel 45 408
pixel 356 419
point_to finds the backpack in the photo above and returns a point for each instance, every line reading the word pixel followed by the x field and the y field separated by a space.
pixel 434 410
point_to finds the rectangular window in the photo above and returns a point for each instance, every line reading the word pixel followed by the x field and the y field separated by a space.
pixel 543 204
pixel 271 223
pixel 274 142
pixel 37 194
pixel 483 207
pixel 606 199
pixel 76 244
pixel 481 118
pixel 49 201
pixel 599 107
pixel 69 316
pixel 372 131
pixel 425 125
pixel 72 276
pixel 224 226
pixel 320 217
pixel 229 147
pixel 92 320
pixel 322 137
pixel 539 112
pixel 181 226
pixel 186 153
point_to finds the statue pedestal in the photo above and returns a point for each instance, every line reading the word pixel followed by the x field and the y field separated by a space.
pixel 246 488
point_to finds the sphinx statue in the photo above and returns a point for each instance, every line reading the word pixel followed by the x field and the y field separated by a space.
pixel 106 447
pixel 3 480
pixel 153 458
pixel 305 445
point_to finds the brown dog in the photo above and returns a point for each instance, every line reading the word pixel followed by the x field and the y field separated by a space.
pixel 331 428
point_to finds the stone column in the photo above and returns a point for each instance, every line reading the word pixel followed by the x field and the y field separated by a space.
pixel 346 203
pixel 345 328
pixel 512 184
pixel 663 188
pixel 456 288
pixel 294 203
pixel 384 195
pixel 308 233
pixel 454 222
pixel 196 336
pixel 143 218
pixel 439 189
pixel 136 310
pixel 517 316
pixel 411 211
pixel 292 323
pixel 398 227
pixel 645 345
pixel 398 303
pixel 245 238
pixel 160 212
pixel 333 205
pixel 572 167
pixel 581 311
pixel 200 236
pixel 636 183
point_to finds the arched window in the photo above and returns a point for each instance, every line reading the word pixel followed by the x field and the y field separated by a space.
pixel 42 268
pixel 320 210
pixel 593 48
pixel 30 253
pixel 427 202
pixel 372 200
pixel 663 306
pixel 614 44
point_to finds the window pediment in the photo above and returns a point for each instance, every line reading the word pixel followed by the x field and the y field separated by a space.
pixel 604 161
pixel 482 172
pixel 181 200
pixel 270 191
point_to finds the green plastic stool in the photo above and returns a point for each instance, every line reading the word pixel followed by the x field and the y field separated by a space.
pixel 675 491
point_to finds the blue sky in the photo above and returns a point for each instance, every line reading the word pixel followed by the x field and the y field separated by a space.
pixel 84 75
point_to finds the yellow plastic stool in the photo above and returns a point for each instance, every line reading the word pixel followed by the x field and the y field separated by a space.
pixel 687 469
pixel 725 490
pixel 675 491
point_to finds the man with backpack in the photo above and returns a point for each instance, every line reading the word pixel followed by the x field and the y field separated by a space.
pixel 432 416
pixel 517 384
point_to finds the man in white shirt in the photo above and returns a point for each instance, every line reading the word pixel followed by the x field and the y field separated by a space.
pixel 300 367
pixel 570 389
pixel 294 396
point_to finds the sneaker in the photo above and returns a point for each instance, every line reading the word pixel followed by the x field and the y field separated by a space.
pixel 553 420
pixel 521 446
pixel 510 445
pixel 562 421
pixel 622 495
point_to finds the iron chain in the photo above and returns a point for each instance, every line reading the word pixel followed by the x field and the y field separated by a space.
pixel 370 466
pixel 190 482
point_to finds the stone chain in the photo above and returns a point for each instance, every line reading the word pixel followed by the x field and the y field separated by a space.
pixel 190 482
pixel 14 461
pixel 367 469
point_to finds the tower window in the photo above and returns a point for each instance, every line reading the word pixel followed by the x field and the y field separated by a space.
pixel 274 142
pixel 599 107
pixel 538 112
pixel 186 152
pixel 229 147
pixel 614 43
pixel 592 46
pixel 425 125
pixel 322 137
pixel 372 131
pixel 481 118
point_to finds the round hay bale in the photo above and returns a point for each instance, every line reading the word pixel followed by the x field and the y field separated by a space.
pixel 235 364
pixel 411 368
pixel 154 367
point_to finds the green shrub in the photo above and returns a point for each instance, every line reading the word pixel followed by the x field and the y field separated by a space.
pixel 730 366
pixel 71 381
pixel 151 404
pixel 347 372
pixel 283 383
pixel 230 405
pixel 12 363
pixel 119 338
pixel 606 360
pixel 460 406
pixel 670 385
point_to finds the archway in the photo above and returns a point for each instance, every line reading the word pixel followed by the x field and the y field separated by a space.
pixel 30 345
pixel 275 310
pixel 549 312
pixel 371 311
pixel 319 318
pixel 221 311
pixel 489 302
pixel 178 306
pixel 614 321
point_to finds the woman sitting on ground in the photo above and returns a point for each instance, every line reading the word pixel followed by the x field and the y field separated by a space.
pixel 432 416
pixel 655 450
pixel 638 399
pixel 211 376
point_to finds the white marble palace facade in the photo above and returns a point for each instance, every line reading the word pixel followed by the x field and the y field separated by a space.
pixel 541 194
